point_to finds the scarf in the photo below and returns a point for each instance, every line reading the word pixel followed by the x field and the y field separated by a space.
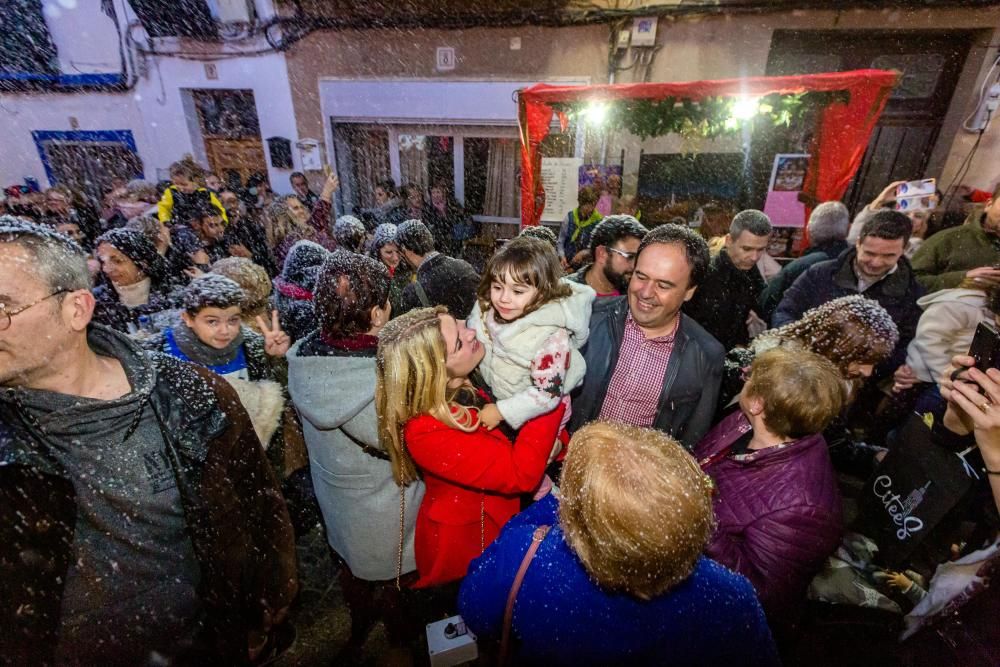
pixel 579 226
pixel 134 295
pixel 291 290
pixel 203 354
pixel 353 343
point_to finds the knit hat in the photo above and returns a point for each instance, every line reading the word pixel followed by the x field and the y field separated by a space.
pixel 212 291
pixel 302 264
pixel 249 276
pixel 137 247
pixel 383 235
pixel 349 233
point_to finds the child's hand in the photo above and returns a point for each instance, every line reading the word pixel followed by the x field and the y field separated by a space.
pixel 899 581
pixel 276 341
pixel 490 416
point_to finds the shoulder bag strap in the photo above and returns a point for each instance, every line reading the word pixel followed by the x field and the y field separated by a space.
pixel 508 614
pixel 421 294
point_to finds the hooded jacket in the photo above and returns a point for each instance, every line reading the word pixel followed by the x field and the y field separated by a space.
pixel 778 512
pixel 352 476
pixel 945 329
pixel 516 351
pixel 235 516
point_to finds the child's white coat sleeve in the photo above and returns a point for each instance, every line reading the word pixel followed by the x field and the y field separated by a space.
pixel 548 378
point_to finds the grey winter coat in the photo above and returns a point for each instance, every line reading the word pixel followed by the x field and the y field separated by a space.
pixel 335 397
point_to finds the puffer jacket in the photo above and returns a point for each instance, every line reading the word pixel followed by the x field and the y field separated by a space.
pixel 778 512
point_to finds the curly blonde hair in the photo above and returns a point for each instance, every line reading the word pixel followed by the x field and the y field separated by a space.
pixel 635 508
pixel 411 379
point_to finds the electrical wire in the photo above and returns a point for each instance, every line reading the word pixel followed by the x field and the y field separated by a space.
pixel 963 168
pixel 982 96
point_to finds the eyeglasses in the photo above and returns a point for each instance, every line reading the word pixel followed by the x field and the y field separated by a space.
pixel 624 253
pixel 6 315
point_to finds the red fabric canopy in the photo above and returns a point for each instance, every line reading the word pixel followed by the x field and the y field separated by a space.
pixel 839 142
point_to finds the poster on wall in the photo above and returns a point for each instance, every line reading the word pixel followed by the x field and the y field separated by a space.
pixel 560 178
pixel 788 176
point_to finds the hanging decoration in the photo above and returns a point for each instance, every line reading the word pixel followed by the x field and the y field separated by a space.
pixel 705 118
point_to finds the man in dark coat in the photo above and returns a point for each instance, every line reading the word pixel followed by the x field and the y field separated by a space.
pixel 726 302
pixel 145 517
pixel 876 268
pixel 441 280
pixel 648 364
pixel 244 236
pixel 828 226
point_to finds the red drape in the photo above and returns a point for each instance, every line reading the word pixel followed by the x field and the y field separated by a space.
pixel 840 139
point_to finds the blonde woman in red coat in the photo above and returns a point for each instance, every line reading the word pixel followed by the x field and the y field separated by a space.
pixel 428 414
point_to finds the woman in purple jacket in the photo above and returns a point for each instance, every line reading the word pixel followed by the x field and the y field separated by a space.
pixel 776 503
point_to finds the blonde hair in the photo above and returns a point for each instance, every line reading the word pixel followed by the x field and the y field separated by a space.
pixel 279 223
pixel 802 391
pixel 636 508
pixel 411 379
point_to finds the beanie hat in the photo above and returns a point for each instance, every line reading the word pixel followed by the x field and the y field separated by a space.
pixel 302 264
pixel 249 276
pixel 349 233
pixel 136 246
pixel 384 234
pixel 212 291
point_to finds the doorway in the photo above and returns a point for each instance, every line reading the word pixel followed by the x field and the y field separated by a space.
pixel 230 130
pixel 904 137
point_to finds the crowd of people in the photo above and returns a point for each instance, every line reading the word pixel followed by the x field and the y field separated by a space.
pixel 608 445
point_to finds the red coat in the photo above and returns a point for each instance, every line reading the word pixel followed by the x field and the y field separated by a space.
pixel 472 481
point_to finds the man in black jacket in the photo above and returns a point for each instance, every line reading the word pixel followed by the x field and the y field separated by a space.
pixel 441 280
pixel 828 226
pixel 876 268
pixel 648 364
pixel 141 521
pixel 726 302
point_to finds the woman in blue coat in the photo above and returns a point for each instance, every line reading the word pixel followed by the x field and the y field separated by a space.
pixel 619 578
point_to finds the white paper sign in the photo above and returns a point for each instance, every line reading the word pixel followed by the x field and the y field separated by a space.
pixel 560 178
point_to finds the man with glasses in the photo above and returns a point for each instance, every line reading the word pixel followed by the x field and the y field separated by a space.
pixel 614 244
pixel 139 513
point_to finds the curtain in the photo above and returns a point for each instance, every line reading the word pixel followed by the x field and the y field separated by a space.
pixel 369 150
pixel 502 179
pixel 413 161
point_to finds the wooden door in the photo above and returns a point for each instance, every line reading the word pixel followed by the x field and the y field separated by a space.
pixel 905 135
pixel 243 156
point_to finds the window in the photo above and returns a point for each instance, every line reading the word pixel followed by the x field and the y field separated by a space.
pixel 26 49
pixel 426 159
pixel 492 177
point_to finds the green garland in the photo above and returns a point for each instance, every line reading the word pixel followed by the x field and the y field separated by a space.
pixel 708 117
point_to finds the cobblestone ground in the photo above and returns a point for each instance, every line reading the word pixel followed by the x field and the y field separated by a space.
pixel 321 619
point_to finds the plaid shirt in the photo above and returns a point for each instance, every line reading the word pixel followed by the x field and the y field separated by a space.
pixel 637 382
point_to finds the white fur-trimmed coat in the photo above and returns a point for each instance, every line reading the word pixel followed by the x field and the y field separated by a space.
pixel 525 358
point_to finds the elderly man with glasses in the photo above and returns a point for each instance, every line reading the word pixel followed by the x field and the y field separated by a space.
pixel 139 518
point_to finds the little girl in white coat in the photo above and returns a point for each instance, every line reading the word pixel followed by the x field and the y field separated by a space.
pixel 531 324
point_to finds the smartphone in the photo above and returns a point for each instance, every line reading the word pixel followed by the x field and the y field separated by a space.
pixel 985 348
pixel 918 203
pixel 924 187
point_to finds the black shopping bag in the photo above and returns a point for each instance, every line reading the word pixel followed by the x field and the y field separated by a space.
pixel 906 500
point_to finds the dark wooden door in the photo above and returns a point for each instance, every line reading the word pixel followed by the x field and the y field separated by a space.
pixel 904 137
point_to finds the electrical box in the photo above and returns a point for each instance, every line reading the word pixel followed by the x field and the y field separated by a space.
pixel 624 38
pixel 644 31
pixel 233 11
pixel 310 154
pixel 280 149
